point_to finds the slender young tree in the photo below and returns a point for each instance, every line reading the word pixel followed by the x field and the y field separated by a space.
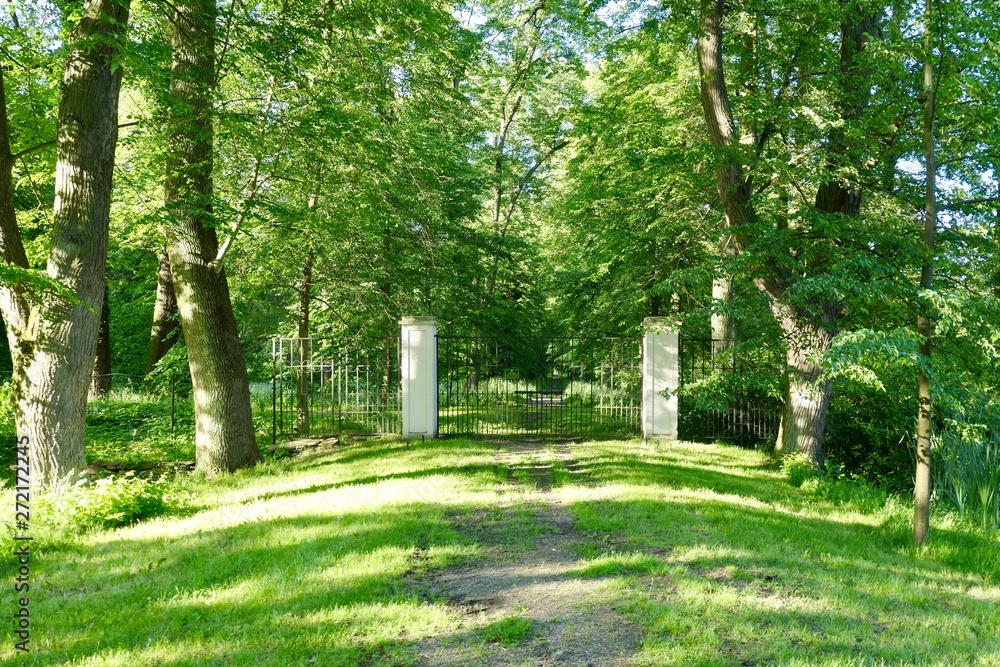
pixel 224 435
pixel 305 297
pixel 53 338
pixel 922 484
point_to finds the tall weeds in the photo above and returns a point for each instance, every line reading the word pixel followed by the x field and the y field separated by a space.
pixel 968 475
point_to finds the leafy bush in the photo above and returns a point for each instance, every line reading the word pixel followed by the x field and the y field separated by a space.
pixel 967 474
pixel 868 430
pixel 833 484
pixel 799 468
pixel 109 503
pixel 843 491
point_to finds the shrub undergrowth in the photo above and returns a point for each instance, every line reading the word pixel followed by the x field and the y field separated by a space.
pixel 967 475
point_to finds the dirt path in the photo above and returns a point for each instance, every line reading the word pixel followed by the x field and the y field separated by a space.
pixel 572 620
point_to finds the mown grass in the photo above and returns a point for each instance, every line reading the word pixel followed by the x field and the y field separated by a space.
pixel 708 549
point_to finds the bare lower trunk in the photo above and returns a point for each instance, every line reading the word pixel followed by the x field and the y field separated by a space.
pixel 224 435
pixel 166 326
pixel 922 481
pixel 723 327
pixel 803 416
pixel 302 398
pixel 54 344
pixel 100 382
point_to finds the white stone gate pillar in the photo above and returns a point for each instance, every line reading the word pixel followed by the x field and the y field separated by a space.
pixel 418 366
pixel 659 373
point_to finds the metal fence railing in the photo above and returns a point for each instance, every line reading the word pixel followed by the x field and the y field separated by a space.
pixel 487 385
pixel 322 388
pixel 490 385
pixel 729 392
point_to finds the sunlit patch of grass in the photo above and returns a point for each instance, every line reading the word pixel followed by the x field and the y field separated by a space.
pixel 508 631
pixel 728 564
pixel 707 548
pixel 615 564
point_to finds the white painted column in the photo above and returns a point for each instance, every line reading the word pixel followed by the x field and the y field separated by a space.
pixel 419 375
pixel 659 373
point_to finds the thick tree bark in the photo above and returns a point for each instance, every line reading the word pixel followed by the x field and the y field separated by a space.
pixel 807 399
pixel 839 194
pixel 166 325
pixel 224 435
pixel 100 380
pixel 922 484
pixel 302 398
pixel 54 342
pixel 808 394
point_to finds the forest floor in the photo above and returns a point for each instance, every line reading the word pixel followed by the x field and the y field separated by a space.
pixel 458 552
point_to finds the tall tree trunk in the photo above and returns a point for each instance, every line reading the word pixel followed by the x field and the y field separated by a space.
pixel 224 435
pixel 54 340
pixel 100 382
pixel 723 327
pixel 922 485
pixel 808 333
pixel 302 398
pixel 166 326
pixel 807 399
pixel 809 394
pixel 13 299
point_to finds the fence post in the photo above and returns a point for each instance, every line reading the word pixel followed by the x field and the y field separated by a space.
pixel 659 373
pixel 274 397
pixel 419 376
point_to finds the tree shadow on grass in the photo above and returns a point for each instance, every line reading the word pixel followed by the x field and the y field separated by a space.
pixel 729 582
pixel 493 471
pixel 732 584
pixel 251 585
pixel 374 450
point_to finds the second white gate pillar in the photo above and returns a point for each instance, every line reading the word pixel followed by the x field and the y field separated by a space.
pixel 418 366
pixel 659 375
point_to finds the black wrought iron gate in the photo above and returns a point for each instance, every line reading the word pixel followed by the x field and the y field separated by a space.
pixel 729 393
pixel 539 386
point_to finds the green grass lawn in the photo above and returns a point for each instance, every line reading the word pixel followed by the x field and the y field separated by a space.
pixel 708 549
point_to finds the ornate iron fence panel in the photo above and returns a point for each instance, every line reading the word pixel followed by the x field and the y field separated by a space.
pixel 539 386
pixel 727 392
pixel 320 387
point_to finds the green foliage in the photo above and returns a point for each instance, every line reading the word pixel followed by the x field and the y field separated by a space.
pixel 8 433
pixel 840 490
pixel 509 631
pixel 109 503
pixel 967 474
pixel 132 426
pixel 798 468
